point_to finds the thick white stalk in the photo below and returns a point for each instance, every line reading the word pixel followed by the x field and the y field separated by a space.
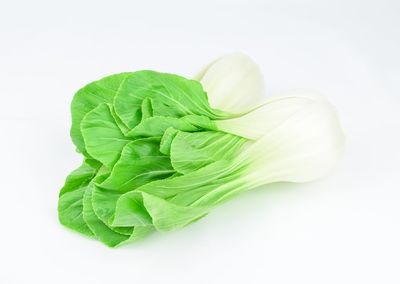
pixel 234 83
pixel 297 139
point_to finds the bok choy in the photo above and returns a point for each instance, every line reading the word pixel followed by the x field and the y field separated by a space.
pixel 160 151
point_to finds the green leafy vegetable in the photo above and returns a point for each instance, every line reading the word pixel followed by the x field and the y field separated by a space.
pixel 157 156
pixel 87 99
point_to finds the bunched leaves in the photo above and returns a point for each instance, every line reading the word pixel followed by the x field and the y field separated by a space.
pixel 158 157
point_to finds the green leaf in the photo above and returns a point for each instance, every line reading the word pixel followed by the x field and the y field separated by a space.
pixel 138 208
pixel 88 98
pixel 81 176
pixel 176 202
pixel 70 203
pixel 159 108
pixel 200 121
pixel 192 182
pixel 156 126
pixel 180 190
pixel 132 212
pixel 118 121
pixel 192 151
pixel 101 230
pixel 70 207
pixel 147 108
pixel 166 140
pixel 103 138
pixel 167 216
pixel 138 233
pixel 182 96
pixel 140 162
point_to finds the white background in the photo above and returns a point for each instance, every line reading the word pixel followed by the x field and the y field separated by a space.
pixel 341 229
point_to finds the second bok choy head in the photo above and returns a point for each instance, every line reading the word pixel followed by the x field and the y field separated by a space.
pixel 158 156
pixel 233 82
